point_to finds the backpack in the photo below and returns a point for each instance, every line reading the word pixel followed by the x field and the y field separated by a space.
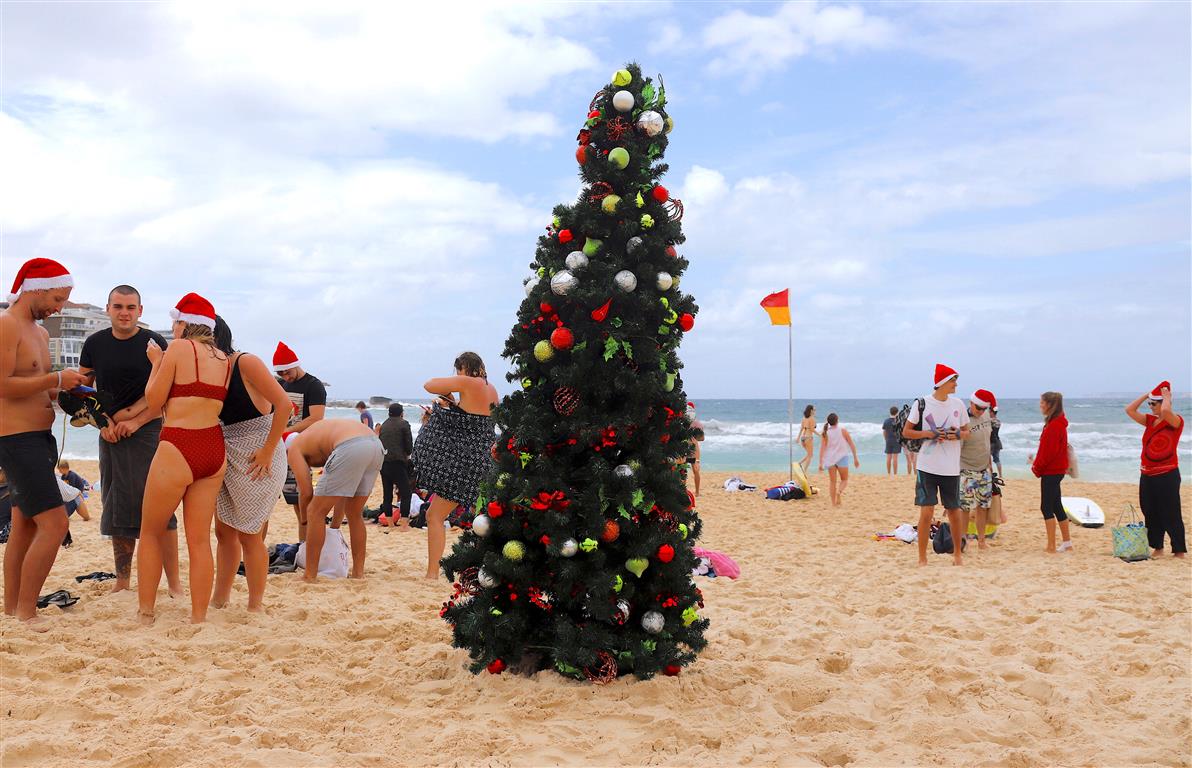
pixel 900 423
pixel 941 540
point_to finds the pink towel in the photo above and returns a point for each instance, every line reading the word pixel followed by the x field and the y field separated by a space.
pixel 724 565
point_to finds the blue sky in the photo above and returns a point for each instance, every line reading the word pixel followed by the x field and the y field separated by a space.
pixel 1003 187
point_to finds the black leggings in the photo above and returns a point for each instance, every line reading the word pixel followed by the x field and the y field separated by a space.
pixel 1159 497
pixel 395 473
pixel 1053 505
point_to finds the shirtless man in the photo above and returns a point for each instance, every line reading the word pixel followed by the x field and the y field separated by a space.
pixel 28 451
pixel 351 457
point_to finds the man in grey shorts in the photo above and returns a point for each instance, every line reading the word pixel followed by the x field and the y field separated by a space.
pixel 350 455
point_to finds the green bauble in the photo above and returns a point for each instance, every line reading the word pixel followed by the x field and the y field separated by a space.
pixel 527 383
pixel 609 204
pixel 622 78
pixel 647 220
pixel 619 158
pixel 670 382
pixel 592 246
pixel 514 550
pixel 670 124
pixel 543 351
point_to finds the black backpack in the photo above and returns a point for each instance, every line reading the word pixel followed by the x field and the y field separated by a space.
pixel 900 423
pixel 941 540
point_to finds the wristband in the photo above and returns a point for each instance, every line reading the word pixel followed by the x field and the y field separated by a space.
pixel 59 379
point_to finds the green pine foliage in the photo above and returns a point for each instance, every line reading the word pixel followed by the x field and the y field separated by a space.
pixel 588 486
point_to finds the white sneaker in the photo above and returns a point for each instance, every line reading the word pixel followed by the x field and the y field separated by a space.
pixel 1065 546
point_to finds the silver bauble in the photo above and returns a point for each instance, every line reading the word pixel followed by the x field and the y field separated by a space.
pixel 576 260
pixel 623 101
pixel 563 283
pixel 623 471
pixel 568 548
pixel 486 579
pixel 665 281
pixel 633 244
pixel 531 283
pixel 480 525
pixel 653 622
pixel 625 280
pixel 650 123
pixel 623 610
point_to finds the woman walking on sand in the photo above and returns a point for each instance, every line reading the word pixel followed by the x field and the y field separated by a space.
pixel 188 466
pixel 807 436
pixel 453 452
pixel 835 447
pixel 254 417
pixel 1049 465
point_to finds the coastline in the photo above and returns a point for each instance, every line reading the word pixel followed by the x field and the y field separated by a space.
pixel 831 649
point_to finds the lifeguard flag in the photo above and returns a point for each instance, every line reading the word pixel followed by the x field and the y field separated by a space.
pixel 778 306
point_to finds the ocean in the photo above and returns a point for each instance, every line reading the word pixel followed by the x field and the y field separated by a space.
pixel 751 435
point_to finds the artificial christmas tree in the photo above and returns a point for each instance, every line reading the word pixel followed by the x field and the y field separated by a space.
pixel 580 556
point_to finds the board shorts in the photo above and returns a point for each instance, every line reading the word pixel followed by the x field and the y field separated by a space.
pixel 937 489
pixel 352 468
pixel 29 460
pixel 976 489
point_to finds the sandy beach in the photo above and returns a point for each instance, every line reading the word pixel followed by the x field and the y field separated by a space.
pixel 831 649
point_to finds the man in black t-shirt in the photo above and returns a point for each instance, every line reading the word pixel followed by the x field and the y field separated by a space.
pixel 308 397
pixel 115 361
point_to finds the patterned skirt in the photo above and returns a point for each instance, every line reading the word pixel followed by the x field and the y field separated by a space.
pixel 245 503
pixel 453 454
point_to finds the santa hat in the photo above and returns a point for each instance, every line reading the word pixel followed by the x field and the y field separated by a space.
pixel 193 308
pixel 943 374
pixel 983 398
pixel 1157 392
pixel 287 438
pixel 284 358
pixel 40 275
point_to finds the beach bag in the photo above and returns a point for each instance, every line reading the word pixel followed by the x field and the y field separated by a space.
pixel 334 560
pixel 1073 470
pixel 900 423
pixel 1129 540
pixel 941 540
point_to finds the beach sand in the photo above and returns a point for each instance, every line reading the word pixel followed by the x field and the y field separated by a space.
pixel 831 649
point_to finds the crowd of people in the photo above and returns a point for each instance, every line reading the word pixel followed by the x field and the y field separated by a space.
pixel 195 423
pixel 954 451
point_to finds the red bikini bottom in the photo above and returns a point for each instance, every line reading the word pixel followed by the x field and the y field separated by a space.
pixel 202 449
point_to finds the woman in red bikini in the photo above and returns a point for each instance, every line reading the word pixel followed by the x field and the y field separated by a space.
pixel 190 380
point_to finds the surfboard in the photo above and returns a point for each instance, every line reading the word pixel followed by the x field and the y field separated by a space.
pixel 1084 511
pixel 800 477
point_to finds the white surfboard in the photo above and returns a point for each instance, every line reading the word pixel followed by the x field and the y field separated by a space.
pixel 1084 511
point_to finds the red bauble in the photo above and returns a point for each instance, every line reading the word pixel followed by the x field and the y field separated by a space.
pixel 670 251
pixel 666 553
pixel 561 338
pixel 594 114
pixel 611 531
pixel 545 308
pixel 660 194
pixel 601 313
pixel 495 509
pixel 686 321
pixel 565 236
pixel 672 670
pixel 581 155
pixel 496 667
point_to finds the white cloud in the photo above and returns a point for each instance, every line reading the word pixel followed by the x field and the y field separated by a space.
pixel 755 44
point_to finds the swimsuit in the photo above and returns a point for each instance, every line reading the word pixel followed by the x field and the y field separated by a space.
pixel 202 449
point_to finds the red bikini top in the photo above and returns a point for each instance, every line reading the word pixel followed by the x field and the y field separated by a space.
pixel 201 388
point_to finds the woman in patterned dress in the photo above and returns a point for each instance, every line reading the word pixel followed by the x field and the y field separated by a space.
pixel 453 452
pixel 253 417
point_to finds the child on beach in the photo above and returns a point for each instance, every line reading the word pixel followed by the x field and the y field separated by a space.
pixel 893 443
pixel 79 483
pixel 1049 465
pixel 834 448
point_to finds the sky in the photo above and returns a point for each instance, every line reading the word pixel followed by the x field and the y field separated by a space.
pixel 1001 187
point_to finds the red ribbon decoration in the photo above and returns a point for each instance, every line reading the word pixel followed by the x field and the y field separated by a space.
pixel 556 500
pixel 601 314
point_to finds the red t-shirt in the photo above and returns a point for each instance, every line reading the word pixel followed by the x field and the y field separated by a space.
pixel 1160 445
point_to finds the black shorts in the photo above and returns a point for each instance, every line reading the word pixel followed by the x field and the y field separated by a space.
pixel 289 490
pixel 29 460
pixel 937 489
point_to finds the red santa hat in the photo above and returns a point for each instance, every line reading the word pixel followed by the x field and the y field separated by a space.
pixel 40 275
pixel 983 398
pixel 284 358
pixel 942 374
pixel 1157 392
pixel 193 308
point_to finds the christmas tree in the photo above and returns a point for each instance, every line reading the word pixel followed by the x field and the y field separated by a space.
pixel 580 556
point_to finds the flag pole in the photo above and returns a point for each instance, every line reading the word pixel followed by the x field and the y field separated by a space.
pixel 790 400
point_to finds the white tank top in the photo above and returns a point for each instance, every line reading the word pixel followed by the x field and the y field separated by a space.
pixel 837 448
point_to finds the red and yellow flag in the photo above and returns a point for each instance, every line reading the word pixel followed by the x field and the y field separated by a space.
pixel 778 306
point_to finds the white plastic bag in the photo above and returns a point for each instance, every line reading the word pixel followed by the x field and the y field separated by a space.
pixel 336 558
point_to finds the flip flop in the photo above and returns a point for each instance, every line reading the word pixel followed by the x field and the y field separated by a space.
pixel 55 598
pixel 95 576
pixel 63 599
